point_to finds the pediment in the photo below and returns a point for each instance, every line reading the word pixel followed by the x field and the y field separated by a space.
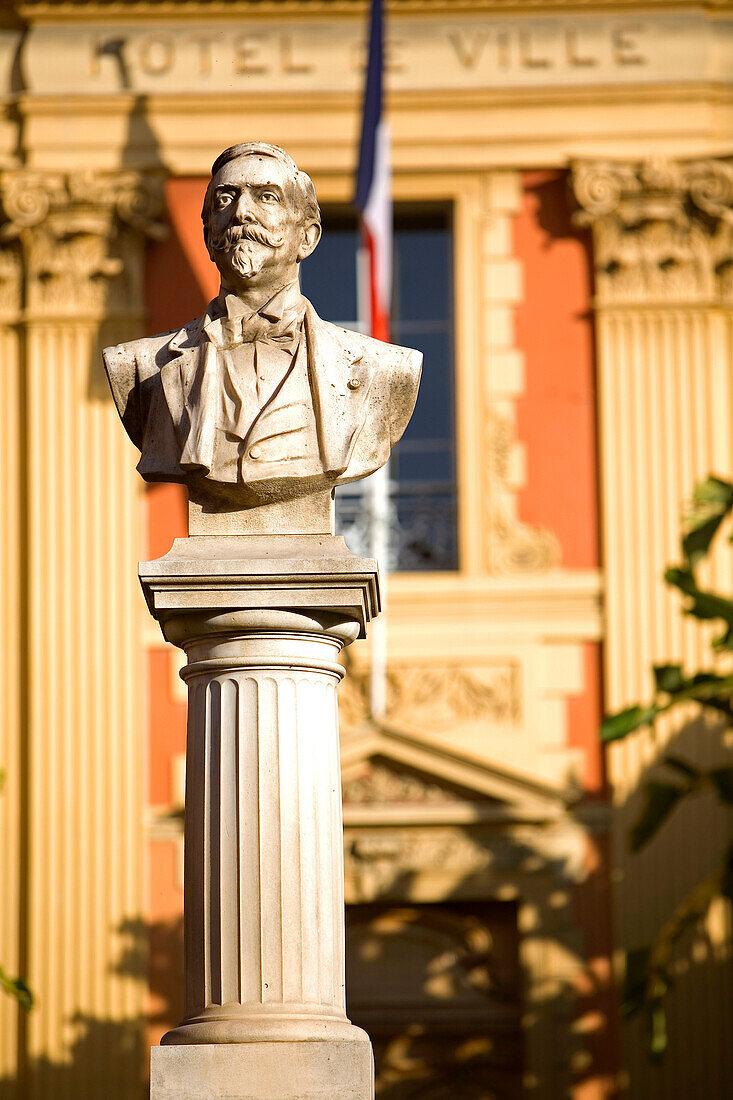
pixel 387 768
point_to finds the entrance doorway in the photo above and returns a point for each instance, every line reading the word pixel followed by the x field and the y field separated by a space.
pixel 438 989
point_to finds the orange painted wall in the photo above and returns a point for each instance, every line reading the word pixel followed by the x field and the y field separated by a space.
pixel 556 422
pixel 554 328
pixel 556 414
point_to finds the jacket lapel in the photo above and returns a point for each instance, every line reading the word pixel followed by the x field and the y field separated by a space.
pixel 181 377
pixel 340 376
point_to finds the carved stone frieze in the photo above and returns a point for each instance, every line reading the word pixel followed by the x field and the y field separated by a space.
pixel 435 698
pixel 662 229
pixel 513 547
pixel 387 861
pixel 378 782
pixel 70 243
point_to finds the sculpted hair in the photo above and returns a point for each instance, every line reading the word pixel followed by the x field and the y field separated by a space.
pixel 304 192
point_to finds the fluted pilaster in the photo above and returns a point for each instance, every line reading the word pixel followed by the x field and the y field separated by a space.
pixel 71 267
pixel 663 247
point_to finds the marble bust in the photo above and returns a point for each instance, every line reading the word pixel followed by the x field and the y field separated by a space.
pixel 259 400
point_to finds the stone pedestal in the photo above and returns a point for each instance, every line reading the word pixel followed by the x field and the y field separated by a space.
pixel 340 1069
pixel 262 621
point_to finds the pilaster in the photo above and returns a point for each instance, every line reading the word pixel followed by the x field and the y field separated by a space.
pixel 72 268
pixel 11 665
pixel 663 250
pixel 510 546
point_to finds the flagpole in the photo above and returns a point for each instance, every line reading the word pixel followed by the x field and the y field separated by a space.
pixel 376 503
pixel 374 281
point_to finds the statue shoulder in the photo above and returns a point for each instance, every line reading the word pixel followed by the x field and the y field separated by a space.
pixel 136 354
pixel 131 364
pixel 398 367
pixel 388 356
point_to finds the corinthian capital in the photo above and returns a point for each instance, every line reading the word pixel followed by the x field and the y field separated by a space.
pixel 662 229
pixel 75 238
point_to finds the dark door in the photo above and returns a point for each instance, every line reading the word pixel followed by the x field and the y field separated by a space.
pixel 437 987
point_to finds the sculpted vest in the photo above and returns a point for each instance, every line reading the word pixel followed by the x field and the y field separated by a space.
pixel 361 393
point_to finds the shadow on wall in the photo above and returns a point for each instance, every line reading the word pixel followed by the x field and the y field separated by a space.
pixel 650 886
pixel 463 1025
pixel 101 1052
pixel 465 1020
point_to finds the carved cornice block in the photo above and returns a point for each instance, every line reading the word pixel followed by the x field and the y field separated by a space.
pixel 70 243
pixel 228 574
pixel 662 229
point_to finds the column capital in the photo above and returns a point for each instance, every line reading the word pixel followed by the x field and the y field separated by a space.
pixel 67 240
pixel 662 228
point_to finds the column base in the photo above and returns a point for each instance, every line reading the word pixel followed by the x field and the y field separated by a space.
pixel 326 1069
pixel 241 1027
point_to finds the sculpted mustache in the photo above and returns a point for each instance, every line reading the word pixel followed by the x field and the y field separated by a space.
pixel 235 234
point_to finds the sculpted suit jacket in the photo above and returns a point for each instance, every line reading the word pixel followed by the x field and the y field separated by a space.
pixel 362 392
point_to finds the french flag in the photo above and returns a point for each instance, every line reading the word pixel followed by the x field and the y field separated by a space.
pixel 373 192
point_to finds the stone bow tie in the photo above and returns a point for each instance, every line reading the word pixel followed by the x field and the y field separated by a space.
pixel 228 333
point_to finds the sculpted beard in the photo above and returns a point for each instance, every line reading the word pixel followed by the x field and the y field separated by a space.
pixel 239 244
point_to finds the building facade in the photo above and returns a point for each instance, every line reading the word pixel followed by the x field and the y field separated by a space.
pixel 563 181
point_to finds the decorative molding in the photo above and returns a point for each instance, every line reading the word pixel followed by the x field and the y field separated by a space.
pixel 87 9
pixel 512 546
pixel 434 698
pixel 378 782
pixel 70 243
pixel 477 782
pixel 434 862
pixel 662 229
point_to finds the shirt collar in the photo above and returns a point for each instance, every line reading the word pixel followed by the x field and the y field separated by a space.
pixel 287 299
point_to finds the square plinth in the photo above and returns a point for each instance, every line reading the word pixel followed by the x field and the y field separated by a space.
pixel 233 572
pixel 316 1070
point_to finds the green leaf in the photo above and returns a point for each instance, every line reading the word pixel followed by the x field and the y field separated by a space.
pixel 704 605
pixel 722 780
pixel 626 721
pixel 696 542
pixel 683 766
pixel 711 503
pixel 660 799
pixel 16 987
pixel 668 678
pixel 657 1030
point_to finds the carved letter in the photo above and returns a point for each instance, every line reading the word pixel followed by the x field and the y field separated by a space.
pixel 247 48
pixel 287 59
pixel 468 49
pixel 525 53
pixel 156 55
pixel 204 43
pixel 503 56
pixel 573 54
pixel 625 48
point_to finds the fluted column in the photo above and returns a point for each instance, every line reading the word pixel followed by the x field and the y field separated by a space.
pixel 264 885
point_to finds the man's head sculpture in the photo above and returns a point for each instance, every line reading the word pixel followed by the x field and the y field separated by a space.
pixel 260 213
pixel 258 401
